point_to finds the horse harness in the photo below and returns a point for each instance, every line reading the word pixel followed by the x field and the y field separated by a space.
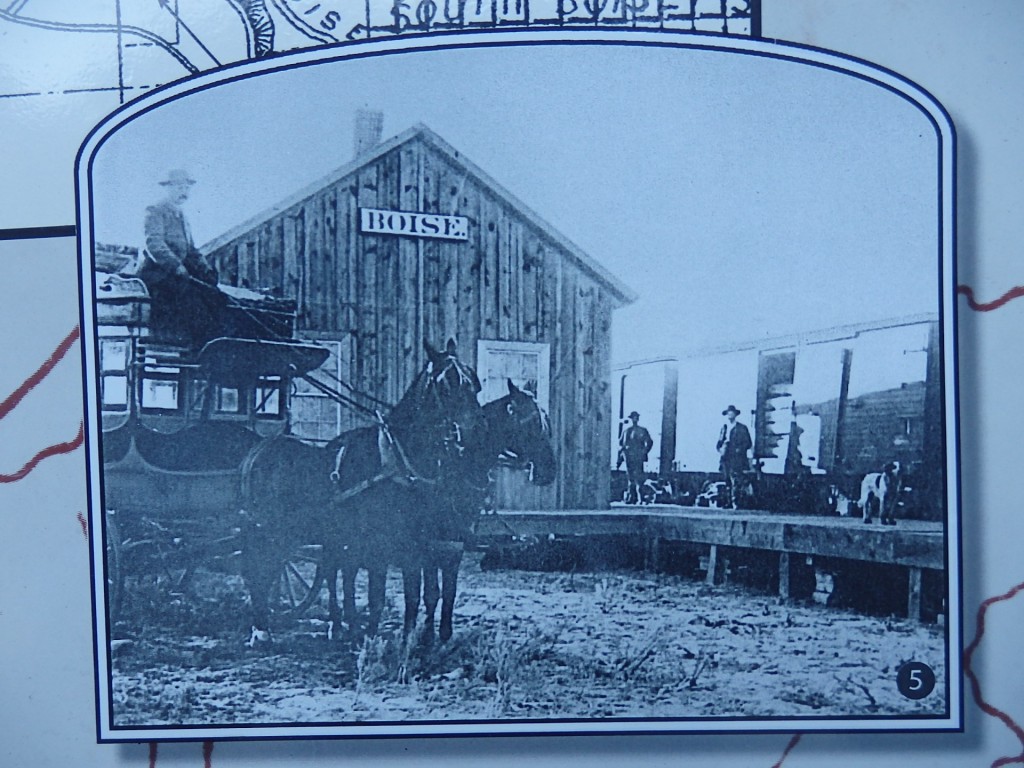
pixel 395 464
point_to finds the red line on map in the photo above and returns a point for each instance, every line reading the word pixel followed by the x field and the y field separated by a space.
pixel 30 383
pixel 152 754
pixel 85 525
pixel 53 450
pixel 793 741
pixel 207 754
pixel 981 306
pixel 985 707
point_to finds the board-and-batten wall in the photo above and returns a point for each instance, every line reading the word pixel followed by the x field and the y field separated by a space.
pixel 510 281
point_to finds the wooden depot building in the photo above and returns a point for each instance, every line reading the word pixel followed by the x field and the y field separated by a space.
pixel 410 241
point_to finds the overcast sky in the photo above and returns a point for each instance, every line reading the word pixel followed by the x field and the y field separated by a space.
pixel 740 197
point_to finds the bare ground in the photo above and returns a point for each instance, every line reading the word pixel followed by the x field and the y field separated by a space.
pixel 527 645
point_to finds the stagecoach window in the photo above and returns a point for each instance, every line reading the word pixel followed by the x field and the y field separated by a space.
pixel 268 396
pixel 527 363
pixel 114 378
pixel 228 400
pixel 115 393
pixel 160 394
pixel 114 355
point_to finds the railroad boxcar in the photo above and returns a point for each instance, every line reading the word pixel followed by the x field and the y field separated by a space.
pixel 824 408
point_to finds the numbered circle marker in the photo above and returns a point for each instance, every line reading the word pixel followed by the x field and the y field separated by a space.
pixel 915 680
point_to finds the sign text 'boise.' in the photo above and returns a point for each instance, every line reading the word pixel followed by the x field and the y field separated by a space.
pixel 373 221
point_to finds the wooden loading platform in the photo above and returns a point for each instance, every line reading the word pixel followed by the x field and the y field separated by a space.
pixel 911 544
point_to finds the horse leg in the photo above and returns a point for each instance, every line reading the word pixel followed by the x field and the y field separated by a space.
pixel 449 579
pixel 411 583
pixel 329 567
pixel 431 596
pixel 348 570
pixel 377 577
pixel 257 556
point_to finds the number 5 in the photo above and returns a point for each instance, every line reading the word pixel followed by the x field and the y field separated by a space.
pixel 916 683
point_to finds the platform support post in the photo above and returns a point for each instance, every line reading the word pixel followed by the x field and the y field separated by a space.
pixel 716 566
pixel 914 594
pixel 784 575
pixel 653 553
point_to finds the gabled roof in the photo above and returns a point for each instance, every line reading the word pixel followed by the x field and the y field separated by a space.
pixel 620 290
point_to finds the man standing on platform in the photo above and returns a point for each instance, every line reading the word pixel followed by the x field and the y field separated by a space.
pixel 733 443
pixel 634 445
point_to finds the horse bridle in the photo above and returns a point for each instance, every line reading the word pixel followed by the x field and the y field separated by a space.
pixel 454 432
pixel 508 457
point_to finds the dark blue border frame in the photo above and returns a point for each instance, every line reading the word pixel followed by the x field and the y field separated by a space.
pixel 36 233
pixel 563 36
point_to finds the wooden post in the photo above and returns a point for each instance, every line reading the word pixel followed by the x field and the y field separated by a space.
pixel 653 553
pixel 669 408
pixel 784 575
pixel 914 594
pixel 716 566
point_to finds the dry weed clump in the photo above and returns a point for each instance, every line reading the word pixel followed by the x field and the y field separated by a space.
pixel 371 662
pixel 510 660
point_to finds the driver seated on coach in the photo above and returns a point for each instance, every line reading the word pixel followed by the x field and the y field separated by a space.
pixel 185 303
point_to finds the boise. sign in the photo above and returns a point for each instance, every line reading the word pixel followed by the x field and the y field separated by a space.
pixel 374 221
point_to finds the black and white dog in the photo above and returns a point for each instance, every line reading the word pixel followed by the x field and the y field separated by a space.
pixel 881 488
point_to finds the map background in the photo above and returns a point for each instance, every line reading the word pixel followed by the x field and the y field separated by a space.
pixel 969 59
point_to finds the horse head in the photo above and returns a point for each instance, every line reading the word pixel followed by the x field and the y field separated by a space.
pixel 439 415
pixel 454 387
pixel 521 432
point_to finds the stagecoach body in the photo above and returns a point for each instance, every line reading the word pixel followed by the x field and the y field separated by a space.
pixel 177 423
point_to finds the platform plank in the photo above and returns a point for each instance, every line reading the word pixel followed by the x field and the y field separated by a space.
pixel 911 543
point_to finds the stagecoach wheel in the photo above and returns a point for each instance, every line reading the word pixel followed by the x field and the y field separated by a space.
pixel 299 583
pixel 175 578
pixel 175 567
pixel 114 567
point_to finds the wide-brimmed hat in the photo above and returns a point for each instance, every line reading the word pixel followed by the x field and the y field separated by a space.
pixel 177 176
pixel 634 414
pixel 731 409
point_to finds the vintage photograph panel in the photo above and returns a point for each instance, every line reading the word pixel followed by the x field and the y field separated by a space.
pixel 544 386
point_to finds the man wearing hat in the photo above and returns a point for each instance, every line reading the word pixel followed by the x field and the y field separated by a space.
pixel 733 443
pixel 634 445
pixel 182 284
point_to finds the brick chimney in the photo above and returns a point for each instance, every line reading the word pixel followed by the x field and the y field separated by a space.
pixel 369 130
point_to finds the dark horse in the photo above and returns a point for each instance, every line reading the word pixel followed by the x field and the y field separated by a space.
pixel 385 494
pixel 516 433
pixel 363 491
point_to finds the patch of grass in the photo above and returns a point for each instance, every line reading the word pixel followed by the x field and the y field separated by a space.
pixel 371 664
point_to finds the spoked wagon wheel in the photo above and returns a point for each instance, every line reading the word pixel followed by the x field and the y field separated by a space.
pixel 171 557
pixel 173 576
pixel 114 566
pixel 300 581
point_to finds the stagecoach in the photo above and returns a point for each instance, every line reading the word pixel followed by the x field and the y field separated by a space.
pixel 177 422
pixel 193 472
